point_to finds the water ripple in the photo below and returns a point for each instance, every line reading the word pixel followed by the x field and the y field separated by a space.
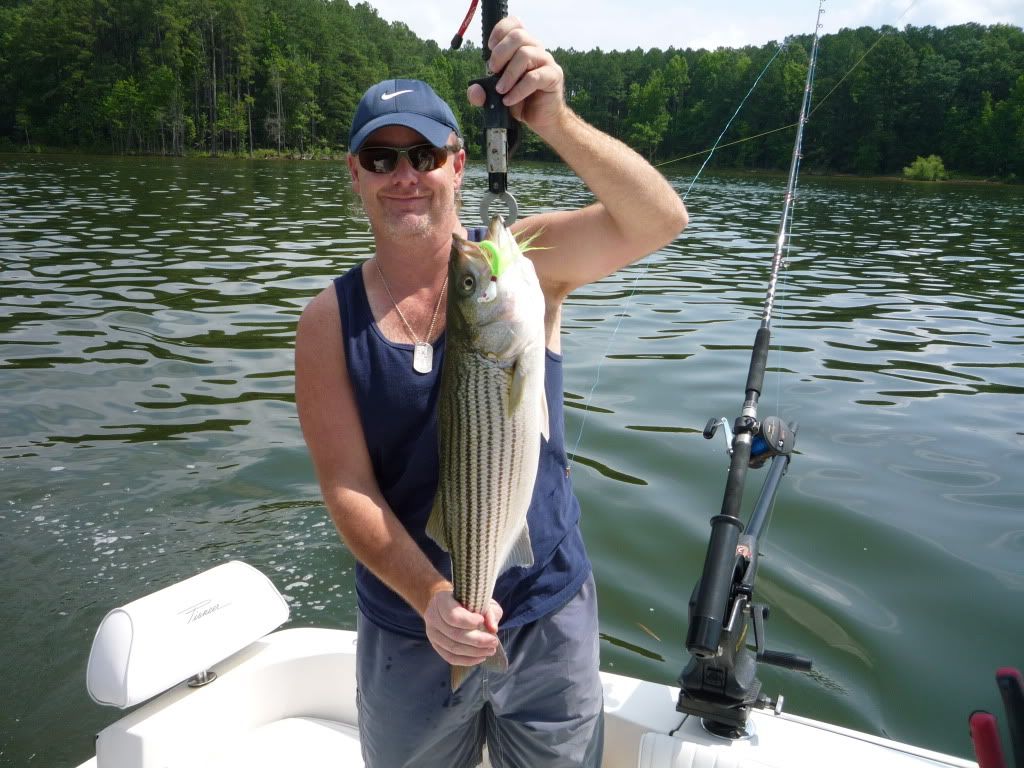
pixel 147 316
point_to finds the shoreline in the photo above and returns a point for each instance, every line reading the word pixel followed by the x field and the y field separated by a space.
pixel 266 155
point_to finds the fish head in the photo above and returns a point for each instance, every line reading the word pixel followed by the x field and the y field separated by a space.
pixel 494 299
pixel 469 282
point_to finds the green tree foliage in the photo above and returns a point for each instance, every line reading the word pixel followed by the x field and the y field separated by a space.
pixel 123 110
pixel 647 115
pixel 233 76
pixel 926 169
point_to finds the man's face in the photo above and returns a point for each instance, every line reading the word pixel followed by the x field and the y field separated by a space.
pixel 406 202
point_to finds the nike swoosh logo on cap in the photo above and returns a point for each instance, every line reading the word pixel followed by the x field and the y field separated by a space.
pixel 390 96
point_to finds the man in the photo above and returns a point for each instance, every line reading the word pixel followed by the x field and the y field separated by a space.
pixel 368 354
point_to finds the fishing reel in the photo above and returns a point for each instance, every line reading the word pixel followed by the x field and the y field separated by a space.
pixel 771 437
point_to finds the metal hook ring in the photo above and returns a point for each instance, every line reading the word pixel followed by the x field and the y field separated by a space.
pixel 488 200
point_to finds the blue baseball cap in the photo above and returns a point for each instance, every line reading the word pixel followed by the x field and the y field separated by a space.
pixel 411 103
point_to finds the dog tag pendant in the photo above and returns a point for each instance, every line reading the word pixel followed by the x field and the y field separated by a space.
pixel 422 357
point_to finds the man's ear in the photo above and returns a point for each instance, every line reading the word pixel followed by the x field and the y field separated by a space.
pixel 459 166
pixel 353 172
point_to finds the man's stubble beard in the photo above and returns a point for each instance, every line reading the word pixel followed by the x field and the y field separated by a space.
pixel 419 227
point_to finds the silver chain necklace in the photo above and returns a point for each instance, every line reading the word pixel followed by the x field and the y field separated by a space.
pixel 422 351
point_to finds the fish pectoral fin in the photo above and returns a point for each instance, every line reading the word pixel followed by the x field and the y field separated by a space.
pixel 522 552
pixel 516 386
pixel 545 420
pixel 435 525
pixel 516 392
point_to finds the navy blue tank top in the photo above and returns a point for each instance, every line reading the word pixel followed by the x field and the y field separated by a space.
pixel 398 409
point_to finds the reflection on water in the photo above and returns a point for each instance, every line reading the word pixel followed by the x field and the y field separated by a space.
pixel 147 310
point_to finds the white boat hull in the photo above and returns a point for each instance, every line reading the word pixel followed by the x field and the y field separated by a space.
pixel 289 699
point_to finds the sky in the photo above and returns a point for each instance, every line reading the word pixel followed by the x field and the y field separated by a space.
pixel 624 25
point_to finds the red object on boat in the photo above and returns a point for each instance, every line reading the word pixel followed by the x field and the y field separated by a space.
pixel 985 735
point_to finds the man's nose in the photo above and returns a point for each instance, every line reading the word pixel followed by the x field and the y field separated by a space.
pixel 404 170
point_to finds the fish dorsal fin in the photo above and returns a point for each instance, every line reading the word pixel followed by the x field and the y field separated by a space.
pixel 522 552
pixel 435 525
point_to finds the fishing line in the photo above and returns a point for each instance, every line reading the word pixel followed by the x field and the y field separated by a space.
pixel 710 153
pixel 784 273
pixel 782 253
pixel 863 56
pixel 727 144
pixel 787 231
pixel 726 129
pixel 792 125
pixel 646 265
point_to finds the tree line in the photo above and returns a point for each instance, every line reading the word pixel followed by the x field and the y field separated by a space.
pixel 283 76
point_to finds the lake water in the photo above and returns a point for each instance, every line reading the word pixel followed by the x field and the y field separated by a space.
pixel 148 430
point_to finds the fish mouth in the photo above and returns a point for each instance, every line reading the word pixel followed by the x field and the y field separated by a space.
pixel 465 253
pixel 467 256
pixel 494 228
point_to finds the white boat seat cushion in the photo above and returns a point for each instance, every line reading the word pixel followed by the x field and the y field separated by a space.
pixel 151 644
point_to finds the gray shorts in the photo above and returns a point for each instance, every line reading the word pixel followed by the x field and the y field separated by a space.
pixel 546 711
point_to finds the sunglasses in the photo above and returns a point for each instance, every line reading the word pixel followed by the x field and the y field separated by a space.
pixel 422 157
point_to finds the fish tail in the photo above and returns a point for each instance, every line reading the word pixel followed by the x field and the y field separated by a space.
pixel 498 662
pixel 459 675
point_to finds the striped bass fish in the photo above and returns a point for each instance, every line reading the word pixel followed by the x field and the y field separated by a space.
pixel 492 412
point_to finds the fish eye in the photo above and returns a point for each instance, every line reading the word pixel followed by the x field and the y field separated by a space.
pixel 468 283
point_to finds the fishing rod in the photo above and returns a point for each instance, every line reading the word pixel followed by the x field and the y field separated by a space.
pixel 720 681
pixel 501 130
